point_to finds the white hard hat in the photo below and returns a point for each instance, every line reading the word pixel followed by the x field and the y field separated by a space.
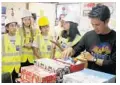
pixel 10 20
pixel 72 17
pixel 26 13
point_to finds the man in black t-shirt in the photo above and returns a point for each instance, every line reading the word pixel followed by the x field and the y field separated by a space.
pixel 100 43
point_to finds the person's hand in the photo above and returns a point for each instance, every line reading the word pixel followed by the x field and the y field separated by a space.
pixel 38 57
pixel 88 56
pixel 29 45
pixel 82 58
pixel 67 52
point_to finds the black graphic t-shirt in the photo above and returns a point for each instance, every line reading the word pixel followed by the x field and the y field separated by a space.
pixel 100 46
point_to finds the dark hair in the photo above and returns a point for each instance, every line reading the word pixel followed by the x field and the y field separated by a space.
pixel 34 16
pixel 101 12
pixel 73 31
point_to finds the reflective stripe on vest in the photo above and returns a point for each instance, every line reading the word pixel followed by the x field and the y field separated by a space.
pixel 44 52
pixel 10 54
pixel 11 63
pixel 48 52
pixel 31 53
pixel 76 40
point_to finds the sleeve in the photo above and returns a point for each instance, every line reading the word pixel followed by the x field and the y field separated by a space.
pixel 80 46
pixel 112 57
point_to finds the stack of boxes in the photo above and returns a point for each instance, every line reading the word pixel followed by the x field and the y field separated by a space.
pixel 57 71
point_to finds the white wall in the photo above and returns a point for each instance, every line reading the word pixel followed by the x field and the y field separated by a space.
pixel 17 6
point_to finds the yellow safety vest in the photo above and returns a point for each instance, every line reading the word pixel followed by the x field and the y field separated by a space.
pixel 11 54
pixel 45 46
pixel 27 53
pixel 65 44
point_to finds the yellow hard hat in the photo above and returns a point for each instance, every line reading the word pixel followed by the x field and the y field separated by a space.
pixel 43 21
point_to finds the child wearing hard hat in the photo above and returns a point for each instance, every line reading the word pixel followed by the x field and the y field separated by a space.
pixel 27 32
pixel 41 44
pixel 11 50
pixel 69 35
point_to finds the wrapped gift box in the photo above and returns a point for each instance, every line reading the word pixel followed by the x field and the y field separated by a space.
pixel 50 64
pixel 89 76
pixel 73 67
pixel 54 66
pixel 33 74
pixel 19 80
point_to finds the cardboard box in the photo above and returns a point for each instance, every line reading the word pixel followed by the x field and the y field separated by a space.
pixel 89 76
pixel 19 80
pixel 73 67
pixel 33 74
pixel 54 66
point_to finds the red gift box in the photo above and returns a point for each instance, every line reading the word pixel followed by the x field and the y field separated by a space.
pixel 73 67
pixel 19 80
pixel 33 74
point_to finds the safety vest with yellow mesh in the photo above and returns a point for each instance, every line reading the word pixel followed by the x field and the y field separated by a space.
pixel 65 44
pixel 27 54
pixel 11 54
pixel 45 46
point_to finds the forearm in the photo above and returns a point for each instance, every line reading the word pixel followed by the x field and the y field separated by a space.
pixel 53 52
pixel 61 48
pixel 36 53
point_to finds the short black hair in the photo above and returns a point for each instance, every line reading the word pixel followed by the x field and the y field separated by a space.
pixel 73 31
pixel 101 12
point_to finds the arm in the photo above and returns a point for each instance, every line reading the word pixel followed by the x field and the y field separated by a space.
pixel 35 52
pixel 80 46
pixel 57 44
pixel 35 46
pixel 76 49
pixel 53 52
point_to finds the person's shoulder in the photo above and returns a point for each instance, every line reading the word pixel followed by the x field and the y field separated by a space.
pixel 89 33
pixel 113 31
